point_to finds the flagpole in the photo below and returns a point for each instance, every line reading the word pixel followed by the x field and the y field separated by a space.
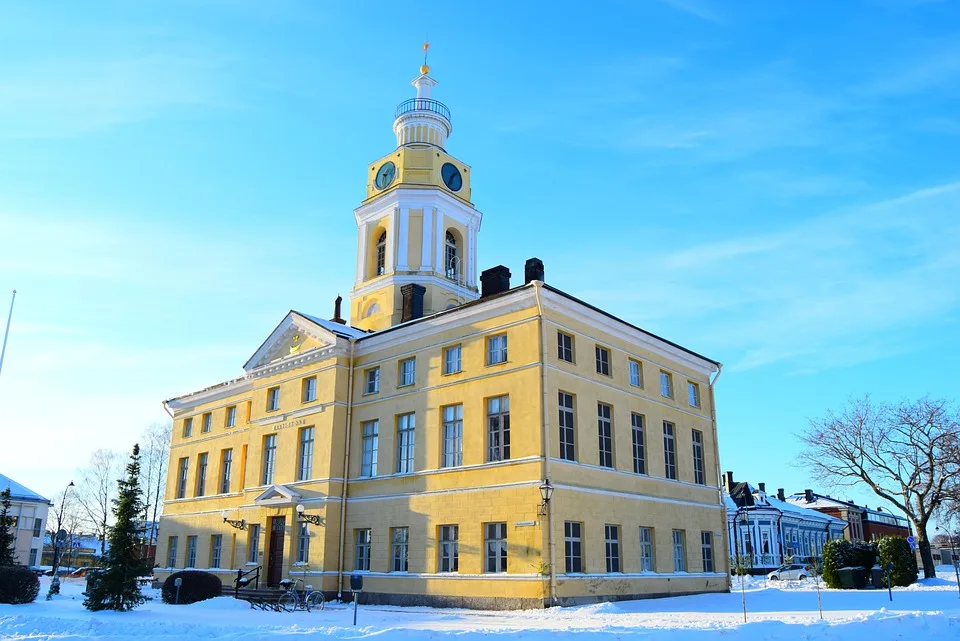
pixel 6 332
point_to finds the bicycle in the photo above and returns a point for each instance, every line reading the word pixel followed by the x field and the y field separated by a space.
pixel 291 601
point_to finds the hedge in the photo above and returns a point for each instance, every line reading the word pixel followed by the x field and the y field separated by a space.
pixel 840 553
pixel 18 585
pixel 196 586
pixel 896 550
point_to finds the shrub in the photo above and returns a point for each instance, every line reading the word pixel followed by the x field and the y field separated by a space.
pixel 836 554
pixel 197 586
pixel 896 550
pixel 18 585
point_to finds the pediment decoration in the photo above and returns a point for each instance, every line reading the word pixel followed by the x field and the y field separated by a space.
pixel 294 336
pixel 277 495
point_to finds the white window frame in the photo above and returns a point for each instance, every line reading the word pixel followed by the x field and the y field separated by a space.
pixel 308 391
pixel 498 428
pixel 604 357
pixel 400 545
pixel 699 474
pixel 452 359
pixel 565 352
pixel 361 558
pixel 573 547
pixel 305 453
pixel 303 542
pixel 497 349
pixel 611 546
pixel 647 560
pixel 636 373
pixel 449 539
pixel 452 428
pixel 406 377
pixel 670 451
pixel 666 384
pixel 693 394
pixel 231 418
pixel 568 426
pixel 639 443
pixel 406 442
pixel 605 435
pixel 370 443
pixel 679 551
pixel 273 399
pixel 371 380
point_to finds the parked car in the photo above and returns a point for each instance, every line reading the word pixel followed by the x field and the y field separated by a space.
pixel 791 572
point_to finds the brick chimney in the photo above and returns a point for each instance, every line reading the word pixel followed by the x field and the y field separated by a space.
pixel 780 495
pixel 494 280
pixel 762 487
pixel 532 270
pixel 412 302
pixel 808 496
pixel 728 477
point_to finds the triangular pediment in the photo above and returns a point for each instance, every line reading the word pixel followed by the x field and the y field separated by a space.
pixel 277 495
pixel 295 335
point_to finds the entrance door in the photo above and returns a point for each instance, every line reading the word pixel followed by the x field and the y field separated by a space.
pixel 275 558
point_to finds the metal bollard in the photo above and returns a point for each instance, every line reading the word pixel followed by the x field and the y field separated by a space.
pixel 177 582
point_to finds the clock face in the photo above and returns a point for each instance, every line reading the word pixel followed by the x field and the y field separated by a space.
pixel 385 175
pixel 451 177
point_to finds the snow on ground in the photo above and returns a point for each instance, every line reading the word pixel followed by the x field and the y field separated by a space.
pixel 775 610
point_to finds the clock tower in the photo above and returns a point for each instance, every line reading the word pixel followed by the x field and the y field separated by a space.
pixel 417 228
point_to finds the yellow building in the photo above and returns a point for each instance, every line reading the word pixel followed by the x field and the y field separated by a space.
pixel 421 438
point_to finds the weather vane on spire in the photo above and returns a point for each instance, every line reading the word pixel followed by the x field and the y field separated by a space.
pixel 425 68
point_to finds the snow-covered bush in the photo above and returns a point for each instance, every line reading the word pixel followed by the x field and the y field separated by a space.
pixel 197 586
pixel 18 585
pixel 896 550
pixel 839 553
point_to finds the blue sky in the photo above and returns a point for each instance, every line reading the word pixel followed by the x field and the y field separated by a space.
pixel 775 185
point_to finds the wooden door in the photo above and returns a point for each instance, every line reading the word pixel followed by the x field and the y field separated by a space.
pixel 275 557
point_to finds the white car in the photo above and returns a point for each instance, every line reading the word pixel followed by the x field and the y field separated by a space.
pixel 791 572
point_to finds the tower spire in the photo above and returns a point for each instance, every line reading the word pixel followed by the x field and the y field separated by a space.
pixel 425 68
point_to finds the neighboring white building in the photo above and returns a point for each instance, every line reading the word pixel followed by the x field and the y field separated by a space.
pixel 767 531
pixel 29 513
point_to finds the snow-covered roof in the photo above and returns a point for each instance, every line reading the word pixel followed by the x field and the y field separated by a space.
pixel 821 502
pixel 19 492
pixel 764 501
pixel 337 328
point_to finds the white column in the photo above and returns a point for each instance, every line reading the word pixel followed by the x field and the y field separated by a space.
pixel 471 251
pixel 438 243
pixel 389 265
pixel 425 257
pixel 361 253
pixel 404 220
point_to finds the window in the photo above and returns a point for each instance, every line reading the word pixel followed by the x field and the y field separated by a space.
pixel 693 394
pixel 646 549
pixel 495 544
pixel 216 545
pixel 253 545
pixel 451 257
pixel 231 418
pixel 408 372
pixel 303 542
pixel 406 424
pixel 565 347
pixel 679 556
pixel 187 427
pixel 226 463
pixel 308 389
pixel 567 452
pixel 401 541
pixel 382 254
pixel 451 360
pixel 273 399
pixel 205 423
pixel 698 475
pixel 572 547
pixel 636 373
pixel 669 451
pixel 37 527
pixel 362 558
pixel 449 548
pixel 452 435
pixel 706 547
pixel 371 381
pixel 497 349
pixel 498 429
pixel 305 462
pixel 201 474
pixel 269 458
pixel 182 477
pixel 368 460
pixel 34 554
pixel 191 561
pixel 639 453
pixel 603 360
pixel 612 545
pixel 172 552
pixel 605 433
pixel 666 384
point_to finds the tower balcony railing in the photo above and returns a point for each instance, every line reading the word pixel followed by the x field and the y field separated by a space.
pixel 422 104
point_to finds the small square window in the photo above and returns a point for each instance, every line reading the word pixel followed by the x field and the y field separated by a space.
pixel 231 417
pixel 372 381
pixel 693 394
pixel 497 349
pixel 308 389
pixel 636 373
pixel 603 361
pixel 205 423
pixel 666 384
pixel 451 360
pixel 565 347
pixel 273 399
pixel 408 372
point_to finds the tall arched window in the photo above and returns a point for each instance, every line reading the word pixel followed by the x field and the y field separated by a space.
pixel 382 254
pixel 452 257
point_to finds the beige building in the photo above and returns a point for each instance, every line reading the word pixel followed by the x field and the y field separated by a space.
pixel 416 444
pixel 28 512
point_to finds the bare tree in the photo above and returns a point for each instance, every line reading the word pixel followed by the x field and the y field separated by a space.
pixel 154 456
pixel 97 489
pixel 63 524
pixel 904 452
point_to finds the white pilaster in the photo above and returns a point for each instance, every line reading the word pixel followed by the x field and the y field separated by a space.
pixel 471 252
pixel 438 241
pixel 425 258
pixel 389 263
pixel 362 253
pixel 404 219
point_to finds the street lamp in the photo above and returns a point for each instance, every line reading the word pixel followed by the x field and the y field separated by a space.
pixel 546 493
pixel 316 519
pixel 953 554
pixel 240 524
pixel 55 584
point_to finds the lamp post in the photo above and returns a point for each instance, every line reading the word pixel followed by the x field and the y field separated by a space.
pixel 55 583
pixel 953 556
pixel 546 493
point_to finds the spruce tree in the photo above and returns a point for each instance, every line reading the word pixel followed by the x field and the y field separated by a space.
pixel 7 533
pixel 116 587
